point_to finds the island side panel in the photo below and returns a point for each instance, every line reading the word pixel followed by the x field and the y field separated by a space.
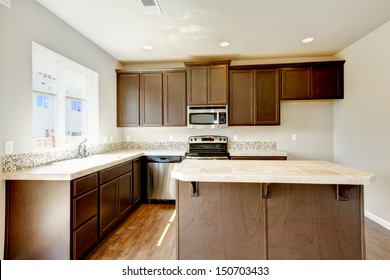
pixel 38 220
pixel 305 221
pixel 226 221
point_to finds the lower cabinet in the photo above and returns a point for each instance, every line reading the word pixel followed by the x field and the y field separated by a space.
pixel 59 220
pixel 115 195
pixel 136 181
pixel 85 214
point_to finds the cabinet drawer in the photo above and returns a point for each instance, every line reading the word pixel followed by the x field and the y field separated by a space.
pixel 84 207
pixel 84 238
pixel 84 184
pixel 114 172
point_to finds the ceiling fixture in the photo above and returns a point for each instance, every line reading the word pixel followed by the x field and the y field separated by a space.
pixel 151 7
pixel 147 47
pixel 224 44
pixel 307 40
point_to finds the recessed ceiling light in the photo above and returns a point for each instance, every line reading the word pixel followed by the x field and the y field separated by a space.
pixel 307 40
pixel 224 44
pixel 147 47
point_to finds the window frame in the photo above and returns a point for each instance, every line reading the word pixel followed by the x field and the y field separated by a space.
pixel 41 55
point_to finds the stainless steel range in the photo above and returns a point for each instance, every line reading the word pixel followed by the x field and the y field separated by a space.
pixel 208 147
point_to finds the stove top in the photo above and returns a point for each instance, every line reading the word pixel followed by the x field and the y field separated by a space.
pixel 208 147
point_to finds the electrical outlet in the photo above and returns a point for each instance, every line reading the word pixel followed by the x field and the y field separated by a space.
pixel 170 137
pixel 111 139
pixel 294 137
pixel 235 137
pixel 6 3
pixel 8 147
pixel 128 137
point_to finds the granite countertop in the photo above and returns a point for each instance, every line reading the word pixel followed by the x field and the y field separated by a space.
pixel 78 167
pixel 291 171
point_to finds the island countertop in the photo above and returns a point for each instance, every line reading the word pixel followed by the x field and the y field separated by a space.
pixel 290 171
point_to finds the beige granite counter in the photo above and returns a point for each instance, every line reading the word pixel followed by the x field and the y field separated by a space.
pixel 304 172
pixel 78 167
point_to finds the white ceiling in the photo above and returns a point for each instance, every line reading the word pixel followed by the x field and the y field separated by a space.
pixel 191 30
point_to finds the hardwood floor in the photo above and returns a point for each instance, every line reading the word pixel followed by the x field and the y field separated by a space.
pixel 149 233
pixel 377 241
pixel 141 237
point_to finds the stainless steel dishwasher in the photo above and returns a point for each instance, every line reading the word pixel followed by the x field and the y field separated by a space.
pixel 160 185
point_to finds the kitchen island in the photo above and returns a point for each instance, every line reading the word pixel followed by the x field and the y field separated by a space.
pixel 269 210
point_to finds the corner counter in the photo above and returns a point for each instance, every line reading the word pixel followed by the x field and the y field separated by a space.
pixel 270 210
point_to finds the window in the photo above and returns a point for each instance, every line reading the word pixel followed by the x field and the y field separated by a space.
pixel 65 101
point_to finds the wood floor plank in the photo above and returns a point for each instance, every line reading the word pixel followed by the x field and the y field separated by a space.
pixel 377 241
pixel 137 237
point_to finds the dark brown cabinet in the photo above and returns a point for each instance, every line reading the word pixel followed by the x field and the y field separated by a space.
pixel 137 181
pixel 151 99
pixel 320 80
pixel 116 200
pixel 84 214
pixel 207 83
pixel 174 98
pixel 128 98
pixel 296 83
pixel 254 97
pixel 50 219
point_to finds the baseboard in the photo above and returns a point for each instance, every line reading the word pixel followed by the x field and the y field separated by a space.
pixel 377 220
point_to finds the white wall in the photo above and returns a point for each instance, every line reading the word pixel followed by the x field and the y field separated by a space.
pixel 25 22
pixel 362 119
pixel 312 122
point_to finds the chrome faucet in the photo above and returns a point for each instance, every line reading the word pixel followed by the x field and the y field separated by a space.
pixel 82 149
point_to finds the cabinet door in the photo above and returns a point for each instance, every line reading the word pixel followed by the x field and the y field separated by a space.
pixel 128 100
pixel 217 84
pixel 175 102
pixel 85 207
pixel 151 99
pixel 241 109
pixel 267 97
pixel 197 85
pixel 136 181
pixel 296 83
pixel 327 82
pixel 84 238
pixel 125 184
pixel 108 205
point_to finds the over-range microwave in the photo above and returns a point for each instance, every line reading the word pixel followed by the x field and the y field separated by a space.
pixel 207 116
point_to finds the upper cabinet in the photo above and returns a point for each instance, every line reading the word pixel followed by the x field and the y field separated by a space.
pixel 151 105
pixel 151 98
pixel 128 99
pixel 318 80
pixel 207 83
pixel 253 92
pixel 175 101
pixel 254 96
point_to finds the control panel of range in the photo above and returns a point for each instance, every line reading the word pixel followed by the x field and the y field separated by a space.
pixel 207 139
